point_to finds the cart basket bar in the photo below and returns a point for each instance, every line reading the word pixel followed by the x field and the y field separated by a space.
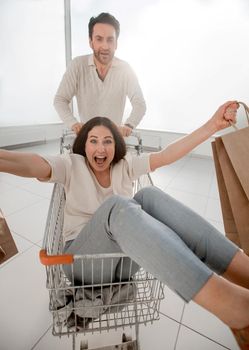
pixel 55 259
pixel 69 258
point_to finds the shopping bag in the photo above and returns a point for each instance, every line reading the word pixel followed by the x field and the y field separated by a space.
pixel 228 218
pixel 7 245
pixel 231 159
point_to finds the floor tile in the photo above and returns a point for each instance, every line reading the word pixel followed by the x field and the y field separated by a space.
pixel 172 305
pixel 17 199
pixel 208 325
pixel 191 183
pixel 4 187
pixel 23 302
pixel 30 222
pixel 96 340
pixel 199 165
pixel 48 341
pixel 196 202
pixel 159 336
pixel 214 191
pixel 13 180
pixel 41 189
pixel 162 177
pixel 195 176
pixel 213 210
pixel 190 340
pixel 22 244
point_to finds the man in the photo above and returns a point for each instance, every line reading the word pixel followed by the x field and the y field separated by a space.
pixel 100 81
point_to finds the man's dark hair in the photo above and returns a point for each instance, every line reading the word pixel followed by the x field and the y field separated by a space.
pixel 80 141
pixel 103 17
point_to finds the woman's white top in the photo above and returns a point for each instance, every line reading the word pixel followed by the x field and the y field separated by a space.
pixel 84 194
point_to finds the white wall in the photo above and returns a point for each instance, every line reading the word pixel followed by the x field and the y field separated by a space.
pixel 189 56
pixel 32 60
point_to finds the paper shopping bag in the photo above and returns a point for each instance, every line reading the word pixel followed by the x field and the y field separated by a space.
pixel 7 245
pixel 231 156
pixel 237 147
pixel 228 218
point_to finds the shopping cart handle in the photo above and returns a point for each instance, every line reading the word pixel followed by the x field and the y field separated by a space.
pixel 136 134
pixel 55 259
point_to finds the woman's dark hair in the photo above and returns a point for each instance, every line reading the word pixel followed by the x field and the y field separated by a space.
pixel 80 141
pixel 106 18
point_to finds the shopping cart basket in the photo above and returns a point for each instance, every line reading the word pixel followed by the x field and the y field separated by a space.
pixel 97 306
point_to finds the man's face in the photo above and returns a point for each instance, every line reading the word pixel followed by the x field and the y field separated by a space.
pixel 103 42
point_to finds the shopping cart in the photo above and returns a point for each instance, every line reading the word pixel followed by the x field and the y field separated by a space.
pixel 82 308
pixel 134 142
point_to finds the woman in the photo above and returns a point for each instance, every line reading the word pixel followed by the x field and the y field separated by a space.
pixel 168 239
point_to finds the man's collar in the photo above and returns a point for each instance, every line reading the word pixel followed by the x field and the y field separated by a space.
pixel 90 60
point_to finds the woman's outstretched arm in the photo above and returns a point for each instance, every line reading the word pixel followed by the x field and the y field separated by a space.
pixel 24 164
pixel 220 120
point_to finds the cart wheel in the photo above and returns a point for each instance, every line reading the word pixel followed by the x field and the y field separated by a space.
pixel 83 344
pixel 126 338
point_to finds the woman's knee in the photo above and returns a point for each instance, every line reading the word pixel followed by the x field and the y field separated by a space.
pixel 147 194
pixel 117 200
pixel 145 191
pixel 116 204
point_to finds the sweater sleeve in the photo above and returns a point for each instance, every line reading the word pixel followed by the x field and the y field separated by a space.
pixel 138 165
pixel 65 93
pixel 136 98
pixel 61 168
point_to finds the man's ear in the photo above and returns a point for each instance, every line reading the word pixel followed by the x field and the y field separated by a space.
pixel 90 43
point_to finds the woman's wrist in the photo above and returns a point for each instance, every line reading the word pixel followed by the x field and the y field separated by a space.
pixel 210 127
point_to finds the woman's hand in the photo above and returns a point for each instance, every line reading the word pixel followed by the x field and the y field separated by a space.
pixel 224 116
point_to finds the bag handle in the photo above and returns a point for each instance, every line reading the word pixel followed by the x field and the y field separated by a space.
pixel 246 108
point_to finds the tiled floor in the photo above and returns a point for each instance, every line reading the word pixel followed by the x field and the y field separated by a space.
pixel 25 322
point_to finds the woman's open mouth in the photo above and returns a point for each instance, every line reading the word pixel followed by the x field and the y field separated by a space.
pixel 100 159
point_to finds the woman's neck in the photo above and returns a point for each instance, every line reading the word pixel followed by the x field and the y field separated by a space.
pixel 103 177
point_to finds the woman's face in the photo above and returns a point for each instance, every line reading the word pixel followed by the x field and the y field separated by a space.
pixel 100 148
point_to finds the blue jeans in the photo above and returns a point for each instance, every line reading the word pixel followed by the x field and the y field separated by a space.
pixel 157 232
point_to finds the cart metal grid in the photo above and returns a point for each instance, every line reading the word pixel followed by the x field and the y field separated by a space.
pixel 130 302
